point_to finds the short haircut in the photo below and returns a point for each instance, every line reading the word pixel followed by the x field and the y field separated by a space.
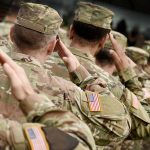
pixel 26 38
pixel 104 57
pixel 89 32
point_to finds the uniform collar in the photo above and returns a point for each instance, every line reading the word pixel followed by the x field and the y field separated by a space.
pixel 25 58
pixel 79 53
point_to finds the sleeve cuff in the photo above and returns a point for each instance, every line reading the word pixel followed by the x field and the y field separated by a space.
pixel 79 75
pixel 127 74
pixel 36 105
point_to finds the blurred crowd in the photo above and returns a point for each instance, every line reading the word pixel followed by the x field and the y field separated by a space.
pixel 136 37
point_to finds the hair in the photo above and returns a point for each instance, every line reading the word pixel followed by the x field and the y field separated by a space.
pixel 104 57
pixel 26 38
pixel 89 32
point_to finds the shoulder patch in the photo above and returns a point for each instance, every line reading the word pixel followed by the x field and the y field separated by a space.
pixel 94 101
pixel 36 138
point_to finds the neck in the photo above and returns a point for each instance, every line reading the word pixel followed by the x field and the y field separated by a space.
pixel 37 54
pixel 84 47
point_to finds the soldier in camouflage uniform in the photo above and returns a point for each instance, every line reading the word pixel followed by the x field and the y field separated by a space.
pixel 55 128
pixel 38 23
pixel 89 16
pixel 140 57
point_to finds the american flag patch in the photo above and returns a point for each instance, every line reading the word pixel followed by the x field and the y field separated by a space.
pixel 36 138
pixel 94 101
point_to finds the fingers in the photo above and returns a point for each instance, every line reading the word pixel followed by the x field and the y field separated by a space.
pixel 116 46
pixel 116 58
pixel 20 85
pixel 15 81
pixel 6 59
pixel 63 49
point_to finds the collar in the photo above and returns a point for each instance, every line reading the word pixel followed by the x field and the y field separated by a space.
pixel 79 53
pixel 25 58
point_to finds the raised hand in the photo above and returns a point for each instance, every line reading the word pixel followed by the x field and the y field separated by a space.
pixel 69 59
pixel 118 55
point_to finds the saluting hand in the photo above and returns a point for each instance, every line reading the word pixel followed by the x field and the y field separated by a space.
pixel 118 54
pixel 69 59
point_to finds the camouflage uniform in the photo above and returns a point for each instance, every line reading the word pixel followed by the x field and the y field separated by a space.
pixel 62 125
pixel 89 13
pixel 147 48
pixel 107 125
pixel 52 112
pixel 140 57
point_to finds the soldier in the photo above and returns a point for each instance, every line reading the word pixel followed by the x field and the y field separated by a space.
pixel 140 57
pixel 88 34
pixel 55 128
pixel 34 38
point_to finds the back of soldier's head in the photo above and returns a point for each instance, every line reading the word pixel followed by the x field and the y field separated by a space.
pixel 92 22
pixel 36 25
pixel 104 57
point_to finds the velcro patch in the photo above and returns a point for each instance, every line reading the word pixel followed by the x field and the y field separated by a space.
pixel 36 138
pixel 94 101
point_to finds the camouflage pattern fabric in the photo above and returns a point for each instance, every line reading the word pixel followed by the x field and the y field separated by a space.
pixel 138 55
pixel 122 93
pixel 66 95
pixel 94 14
pixel 39 18
pixel 146 46
pixel 13 133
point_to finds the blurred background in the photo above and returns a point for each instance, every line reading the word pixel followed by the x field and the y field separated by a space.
pixel 132 17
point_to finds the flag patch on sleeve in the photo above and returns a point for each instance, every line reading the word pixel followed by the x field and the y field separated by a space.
pixel 36 138
pixel 94 101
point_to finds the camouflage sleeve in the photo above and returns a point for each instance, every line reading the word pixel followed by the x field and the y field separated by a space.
pixel 131 81
pixel 39 108
pixel 140 115
pixel 82 78
pixel 20 136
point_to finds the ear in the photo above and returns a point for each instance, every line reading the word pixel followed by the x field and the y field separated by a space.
pixel 51 46
pixel 11 33
pixel 71 32
pixel 103 40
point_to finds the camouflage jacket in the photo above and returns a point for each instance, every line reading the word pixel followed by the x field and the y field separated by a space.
pixel 38 108
pixel 123 93
pixel 65 95
pixel 144 78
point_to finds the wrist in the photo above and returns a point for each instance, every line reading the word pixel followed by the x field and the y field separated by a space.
pixel 127 74
pixel 79 75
